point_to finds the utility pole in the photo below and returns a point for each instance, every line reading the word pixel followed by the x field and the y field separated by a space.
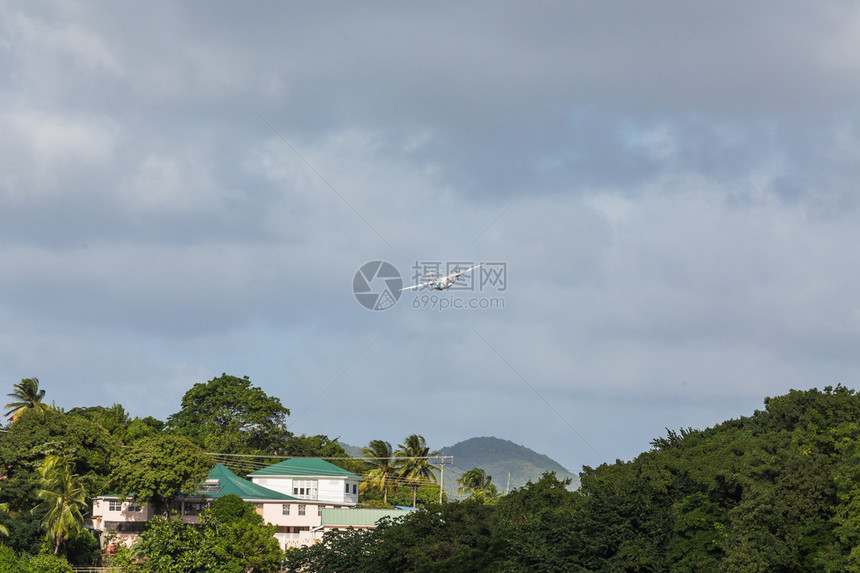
pixel 507 487
pixel 442 475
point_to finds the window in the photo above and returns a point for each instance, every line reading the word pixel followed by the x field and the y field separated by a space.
pixel 132 506
pixel 305 489
pixel 285 509
pixel 354 488
pixel 194 508
pixel 114 505
pixel 347 488
pixel 124 526
pixel 302 510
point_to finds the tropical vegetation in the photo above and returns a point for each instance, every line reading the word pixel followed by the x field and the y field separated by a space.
pixel 29 397
pixel 778 490
pixel 476 482
pixel 775 491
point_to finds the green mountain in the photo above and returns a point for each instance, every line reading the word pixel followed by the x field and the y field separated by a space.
pixel 495 456
pixel 499 457
pixel 351 450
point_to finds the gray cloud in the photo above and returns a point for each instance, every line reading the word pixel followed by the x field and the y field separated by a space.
pixel 188 189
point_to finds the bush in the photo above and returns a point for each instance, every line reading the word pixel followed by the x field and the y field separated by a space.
pixel 9 562
pixel 47 563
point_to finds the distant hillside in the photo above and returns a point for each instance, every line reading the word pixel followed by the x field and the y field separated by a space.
pixel 497 457
pixel 353 451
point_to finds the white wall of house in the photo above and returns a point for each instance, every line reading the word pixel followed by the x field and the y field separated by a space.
pixel 324 489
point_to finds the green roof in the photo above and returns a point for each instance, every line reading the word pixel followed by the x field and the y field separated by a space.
pixel 230 483
pixel 351 517
pixel 304 467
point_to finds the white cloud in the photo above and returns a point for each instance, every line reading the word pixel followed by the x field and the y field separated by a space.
pixel 687 253
pixel 45 153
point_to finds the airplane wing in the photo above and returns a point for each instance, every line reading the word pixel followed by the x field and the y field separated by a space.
pixel 417 286
pixel 460 273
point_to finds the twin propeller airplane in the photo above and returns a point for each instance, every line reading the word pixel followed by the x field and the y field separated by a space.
pixel 442 283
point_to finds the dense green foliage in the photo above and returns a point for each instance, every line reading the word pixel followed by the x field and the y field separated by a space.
pixel 229 415
pixel 63 499
pixel 158 468
pixel 41 563
pixel 119 424
pixel 775 491
pixel 35 435
pixel 476 482
pixel 230 539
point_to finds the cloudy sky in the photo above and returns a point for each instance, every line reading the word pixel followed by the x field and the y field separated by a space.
pixel 189 188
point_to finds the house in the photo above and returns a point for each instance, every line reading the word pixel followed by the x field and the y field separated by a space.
pixel 317 485
pixel 310 479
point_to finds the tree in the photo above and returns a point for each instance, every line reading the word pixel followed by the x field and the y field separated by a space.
pixel 119 423
pixel 171 546
pixel 47 563
pixel 158 468
pixel 381 468
pixel 114 419
pixel 9 562
pixel 231 538
pixel 239 539
pixel 537 519
pixel 36 435
pixel 476 482
pixel 29 398
pixel 64 498
pixel 413 464
pixel 339 551
pixel 229 415
pixel 458 537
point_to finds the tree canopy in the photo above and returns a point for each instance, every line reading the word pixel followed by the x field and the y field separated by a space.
pixel 158 468
pixel 413 465
pixel 476 482
pixel 64 499
pixel 778 490
pixel 29 397
pixel 229 415
pixel 775 491
pixel 380 468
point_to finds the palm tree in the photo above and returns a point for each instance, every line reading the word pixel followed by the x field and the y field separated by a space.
pixel 64 497
pixel 381 467
pixel 413 464
pixel 29 396
pixel 476 482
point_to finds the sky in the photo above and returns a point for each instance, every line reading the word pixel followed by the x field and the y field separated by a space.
pixel 667 193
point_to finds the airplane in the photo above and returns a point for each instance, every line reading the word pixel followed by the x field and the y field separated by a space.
pixel 442 283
